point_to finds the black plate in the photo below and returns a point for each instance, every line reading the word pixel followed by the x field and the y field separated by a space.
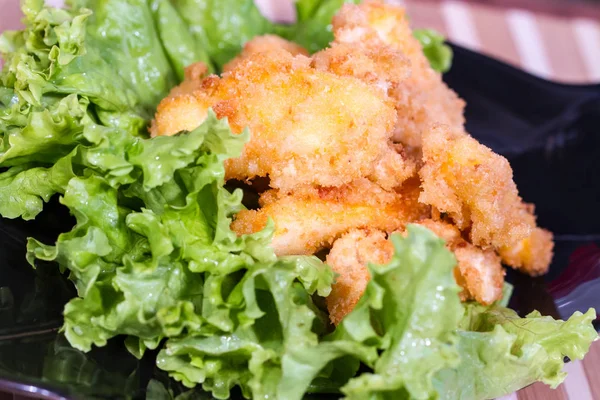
pixel 549 132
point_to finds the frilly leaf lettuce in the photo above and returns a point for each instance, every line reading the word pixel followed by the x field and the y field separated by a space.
pixel 153 258
pixel 124 36
pixel 501 352
pixel 280 357
pixel 64 52
pixel 43 134
pixel 25 188
pixel 142 269
pixel 414 304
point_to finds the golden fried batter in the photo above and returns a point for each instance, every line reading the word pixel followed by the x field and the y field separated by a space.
pixel 394 167
pixel 423 98
pixel 474 186
pixel 184 106
pixel 307 126
pixel 381 66
pixel 261 44
pixel 310 218
pixel 531 255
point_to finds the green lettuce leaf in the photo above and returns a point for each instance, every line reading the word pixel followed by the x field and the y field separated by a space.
pixel 76 51
pixel 507 291
pixel 156 270
pixel 136 269
pixel 42 134
pixel 313 29
pixel 281 357
pixel 39 145
pixel 124 36
pixel 414 303
pixel 221 27
pixel 179 41
pixel 71 78
pixel 501 353
pixel 25 188
pixel 435 49
pixel 275 315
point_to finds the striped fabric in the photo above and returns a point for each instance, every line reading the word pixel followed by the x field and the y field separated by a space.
pixel 542 43
pixel 552 47
pixel 547 45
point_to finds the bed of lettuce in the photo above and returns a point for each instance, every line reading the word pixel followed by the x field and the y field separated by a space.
pixel 152 255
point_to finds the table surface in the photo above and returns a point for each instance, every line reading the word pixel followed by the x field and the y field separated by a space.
pixel 556 40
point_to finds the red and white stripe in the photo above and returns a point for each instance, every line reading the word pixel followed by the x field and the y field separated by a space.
pixel 547 45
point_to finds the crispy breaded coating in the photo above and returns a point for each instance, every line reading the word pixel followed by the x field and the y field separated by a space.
pixel 310 218
pixel 394 167
pixel 465 179
pixel 349 258
pixel 531 255
pixel 479 272
pixel 261 44
pixel 307 126
pixel 474 186
pixel 183 111
pixel 422 99
pixel 381 66
pixel 185 105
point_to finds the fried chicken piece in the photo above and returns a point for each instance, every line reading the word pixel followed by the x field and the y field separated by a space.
pixel 531 255
pixel 264 43
pixel 381 69
pixel 474 186
pixel 348 258
pixel 311 218
pixel 381 66
pixel 394 167
pixel 479 272
pixel 307 126
pixel 465 179
pixel 184 106
pixel 423 98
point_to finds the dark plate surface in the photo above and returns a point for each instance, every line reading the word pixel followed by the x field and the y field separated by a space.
pixel 549 132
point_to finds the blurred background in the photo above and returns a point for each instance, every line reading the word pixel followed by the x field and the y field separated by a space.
pixel 553 39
